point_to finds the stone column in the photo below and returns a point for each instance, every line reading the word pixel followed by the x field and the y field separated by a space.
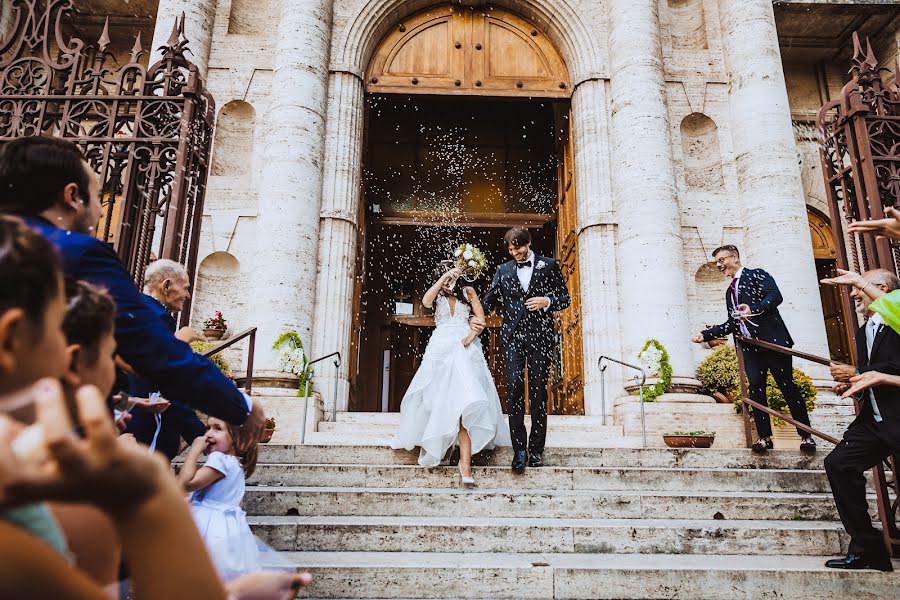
pixel 651 264
pixel 338 234
pixel 596 242
pixel 773 208
pixel 290 190
pixel 199 16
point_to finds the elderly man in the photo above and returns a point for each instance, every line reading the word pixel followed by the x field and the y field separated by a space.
pixel 166 287
pixel 48 182
pixel 875 433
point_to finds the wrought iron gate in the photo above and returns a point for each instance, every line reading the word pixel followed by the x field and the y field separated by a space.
pixel 860 151
pixel 146 132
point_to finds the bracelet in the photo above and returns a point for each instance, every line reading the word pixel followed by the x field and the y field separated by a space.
pixel 863 288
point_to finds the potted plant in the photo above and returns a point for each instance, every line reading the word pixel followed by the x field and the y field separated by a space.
pixel 719 374
pixel 215 326
pixel 268 431
pixel 292 359
pixel 689 439
pixel 655 359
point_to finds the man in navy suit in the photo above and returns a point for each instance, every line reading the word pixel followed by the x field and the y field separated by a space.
pixel 752 301
pixel 49 184
pixel 527 290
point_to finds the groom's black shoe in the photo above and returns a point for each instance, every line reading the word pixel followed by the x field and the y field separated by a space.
pixel 861 561
pixel 536 459
pixel 518 463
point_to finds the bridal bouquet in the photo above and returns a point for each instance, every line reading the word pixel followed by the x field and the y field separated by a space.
pixel 471 261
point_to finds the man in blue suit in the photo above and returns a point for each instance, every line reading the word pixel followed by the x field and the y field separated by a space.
pixel 752 301
pixel 48 183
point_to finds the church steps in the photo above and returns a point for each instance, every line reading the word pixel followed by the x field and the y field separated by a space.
pixel 711 458
pixel 556 439
pixel 397 501
pixel 550 478
pixel 574 576
pixel 602 536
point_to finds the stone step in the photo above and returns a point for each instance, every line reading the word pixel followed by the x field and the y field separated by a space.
pixel 393 418
pixel 388 429
pixel 564 457
pixel 602 536
pixel 555 439
pixel 574 576
pixel 537 503
pixel 547 478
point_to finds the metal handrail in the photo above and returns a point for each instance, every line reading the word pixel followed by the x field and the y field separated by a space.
pixel 249 332
pixel 885 510
pixel 643 373
pixel 305 378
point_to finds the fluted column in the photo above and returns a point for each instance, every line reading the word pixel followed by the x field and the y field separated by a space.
pixel 596 240
pixel 651 265
pixel 199 16
pixel 290 190
pixel 338 233
pixel 773 207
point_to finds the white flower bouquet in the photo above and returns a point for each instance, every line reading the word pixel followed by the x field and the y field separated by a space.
pixel 292 358
pixel 471 261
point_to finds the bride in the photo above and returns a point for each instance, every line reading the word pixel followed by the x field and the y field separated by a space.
pixel 452 398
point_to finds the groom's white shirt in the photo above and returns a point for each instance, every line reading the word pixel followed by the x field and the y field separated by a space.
pixel 524 273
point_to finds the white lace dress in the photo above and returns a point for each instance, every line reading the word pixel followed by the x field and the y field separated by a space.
pixel 452 382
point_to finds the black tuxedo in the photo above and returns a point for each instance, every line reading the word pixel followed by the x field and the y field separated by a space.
pixel 867 442
pixel 528 339
pixel 758 290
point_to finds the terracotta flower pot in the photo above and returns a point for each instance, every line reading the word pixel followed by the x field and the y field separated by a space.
pixel 722 398
pixel 214 334
pixel 689 441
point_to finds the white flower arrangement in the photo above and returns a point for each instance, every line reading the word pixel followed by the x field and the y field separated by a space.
pixel 540 265
pixel 471 261
pixel 292 358
pixel 651 359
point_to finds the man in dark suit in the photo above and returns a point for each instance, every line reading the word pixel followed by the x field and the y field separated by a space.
pixel 527 290
pixel 752 301
pixel 49 184
pixel 875 433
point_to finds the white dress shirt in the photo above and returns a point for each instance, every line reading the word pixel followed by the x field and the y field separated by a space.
pixel 524 273
pixel 737 287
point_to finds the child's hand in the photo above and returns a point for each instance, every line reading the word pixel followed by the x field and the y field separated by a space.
pixel 114 476
pixel 199 445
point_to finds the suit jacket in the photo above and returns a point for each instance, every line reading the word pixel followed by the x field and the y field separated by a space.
pixel 142 339
pixel 142 389
pixel 758 290
pixel 885 359
pixel 506 293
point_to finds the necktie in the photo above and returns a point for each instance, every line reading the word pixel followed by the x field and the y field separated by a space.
pixel 526 263
pixel 871 331
pixel 734 296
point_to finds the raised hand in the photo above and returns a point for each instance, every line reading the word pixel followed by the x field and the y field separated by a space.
pixel 882 228
pixel 845 278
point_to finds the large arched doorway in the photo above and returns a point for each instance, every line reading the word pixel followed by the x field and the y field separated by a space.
pixel 467 134
pixel 825 254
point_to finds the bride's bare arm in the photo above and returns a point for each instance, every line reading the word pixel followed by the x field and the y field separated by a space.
pixel 477 310
pixel 431 294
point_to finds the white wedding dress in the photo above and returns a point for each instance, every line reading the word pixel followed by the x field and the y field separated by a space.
pixel 452 382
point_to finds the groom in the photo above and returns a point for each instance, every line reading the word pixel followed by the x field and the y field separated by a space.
pixel 527 290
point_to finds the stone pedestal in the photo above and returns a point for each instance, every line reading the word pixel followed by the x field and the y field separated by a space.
pixel 199 16
pixel 681 412
pixel 650 256
pixel 290 191
pixel 773 208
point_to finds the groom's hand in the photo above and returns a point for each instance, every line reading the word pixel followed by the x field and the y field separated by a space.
pixel 537 303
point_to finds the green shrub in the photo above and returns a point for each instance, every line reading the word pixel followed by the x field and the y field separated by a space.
pixel 719 373
pixel 217 359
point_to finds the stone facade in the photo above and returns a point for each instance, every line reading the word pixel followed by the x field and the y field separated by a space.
pixel 691 130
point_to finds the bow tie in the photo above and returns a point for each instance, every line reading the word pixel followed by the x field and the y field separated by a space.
pixel 526 263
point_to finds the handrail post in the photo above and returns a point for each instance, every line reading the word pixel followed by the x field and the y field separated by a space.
pixel 643 375
pixel 249 383
pixel 306 372
pixel 337 372
pixel 603 394
pixel 742 376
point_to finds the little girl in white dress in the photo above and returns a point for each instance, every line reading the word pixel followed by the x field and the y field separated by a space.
pixel 218 490
pixel 451 398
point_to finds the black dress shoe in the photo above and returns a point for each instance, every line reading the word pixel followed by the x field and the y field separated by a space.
pixel 762 445
pixel 860 561
pixel 518 463
pixel 536 460
pixel 808 445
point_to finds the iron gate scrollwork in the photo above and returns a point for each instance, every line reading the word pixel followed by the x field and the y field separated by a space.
pixel 860 151
pixel 147 132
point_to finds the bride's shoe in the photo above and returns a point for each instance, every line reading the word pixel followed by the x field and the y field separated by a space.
pixel 466 481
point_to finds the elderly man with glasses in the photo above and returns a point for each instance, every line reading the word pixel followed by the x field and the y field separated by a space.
pixel 752 300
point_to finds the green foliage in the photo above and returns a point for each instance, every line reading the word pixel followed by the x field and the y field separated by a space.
pixel 664 374
pixel 292 359
pixel 217 359
pixel 719 373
